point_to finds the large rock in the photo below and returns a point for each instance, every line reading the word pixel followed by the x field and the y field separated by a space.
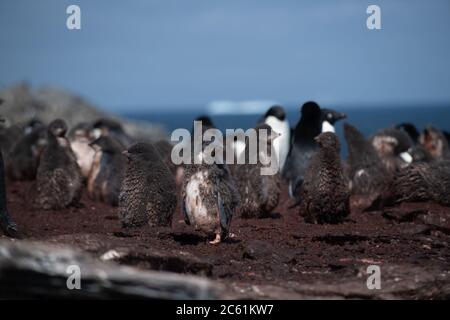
pixel 21 104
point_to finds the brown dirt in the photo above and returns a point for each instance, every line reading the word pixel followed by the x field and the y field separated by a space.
pixel 277 257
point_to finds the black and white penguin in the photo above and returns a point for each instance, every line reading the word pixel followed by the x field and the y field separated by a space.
pixel 259 193
pixel 324 193
pixel 148 195
pixel 303 146
pixel 58 181
pixel 423 182
pixel 275 117
pixel 80 136
pixel 312 122
pixel 107 172
pixel 105 126
pixel 367 175
pixel 435 142
pixel 209 197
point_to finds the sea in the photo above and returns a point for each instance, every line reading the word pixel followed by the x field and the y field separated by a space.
pixel 368 119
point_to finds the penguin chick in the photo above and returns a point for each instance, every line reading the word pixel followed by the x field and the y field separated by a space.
pixel 434 141
pixel 164 149
pixel 25 154
pixel 209 198
pixel 367 174
pixel 104 127
pixel 324 193
pixel 423 182
pixel 410 129
pixel 79 137
pixel 148 193
pixel 58 181
pixel 394 148
pixel 259 193
pixel 108 169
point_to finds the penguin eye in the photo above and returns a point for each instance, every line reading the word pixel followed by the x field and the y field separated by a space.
pixel 330 116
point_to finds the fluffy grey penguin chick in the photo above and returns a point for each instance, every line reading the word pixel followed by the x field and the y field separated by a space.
pixel 435 142
pixel 423 182
pixel 209 198
pixel 108 170
pixel 259 193
pixel 79 137
pixel 58 181
pixel 367 174
pixel 148 194
pixel 324 193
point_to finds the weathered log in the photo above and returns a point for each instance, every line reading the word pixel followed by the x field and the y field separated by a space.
pixel 40 270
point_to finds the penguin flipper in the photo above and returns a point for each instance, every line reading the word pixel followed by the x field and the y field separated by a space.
pixel 185 214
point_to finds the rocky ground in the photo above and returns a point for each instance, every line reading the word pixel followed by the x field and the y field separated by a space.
pixel 279 257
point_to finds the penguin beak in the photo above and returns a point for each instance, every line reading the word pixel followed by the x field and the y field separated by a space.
pixel 126 153
pixel 341 115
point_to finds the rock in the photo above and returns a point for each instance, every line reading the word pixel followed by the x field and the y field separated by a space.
pixel 31 270
pixel 21 104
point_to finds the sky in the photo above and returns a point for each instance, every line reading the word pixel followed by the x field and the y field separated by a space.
pixel 166 55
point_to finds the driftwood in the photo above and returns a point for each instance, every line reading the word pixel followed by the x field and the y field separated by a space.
pixel 40 270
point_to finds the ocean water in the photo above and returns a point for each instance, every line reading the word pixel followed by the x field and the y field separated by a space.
pixel 368 120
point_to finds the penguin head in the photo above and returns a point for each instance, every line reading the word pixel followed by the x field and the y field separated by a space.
pixel 104 126
pixel 277 112
pixel 310 110
pixel 106 144
pixel 81 130
pixel 141 152
pixel 32 125
pixel 328 140
pixel 206 123
pixel 434 141
pixel 57 128
pixel 385 144
pixel 331 116
pixel 410 129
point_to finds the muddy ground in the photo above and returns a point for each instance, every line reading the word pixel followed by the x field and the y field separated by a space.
pixel 277 257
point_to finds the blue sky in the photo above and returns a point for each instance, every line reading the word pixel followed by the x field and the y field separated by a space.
pixel 166 54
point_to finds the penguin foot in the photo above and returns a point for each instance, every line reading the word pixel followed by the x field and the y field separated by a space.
pixel 217 240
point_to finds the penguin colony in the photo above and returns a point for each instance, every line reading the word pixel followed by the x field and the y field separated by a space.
pixel 391 166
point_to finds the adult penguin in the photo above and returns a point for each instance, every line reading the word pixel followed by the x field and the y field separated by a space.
pixel 303 146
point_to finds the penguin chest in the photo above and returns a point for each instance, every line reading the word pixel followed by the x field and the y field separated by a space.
pixel 84 154
pixel 282 143
pixel 94 173
pixel 199 202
